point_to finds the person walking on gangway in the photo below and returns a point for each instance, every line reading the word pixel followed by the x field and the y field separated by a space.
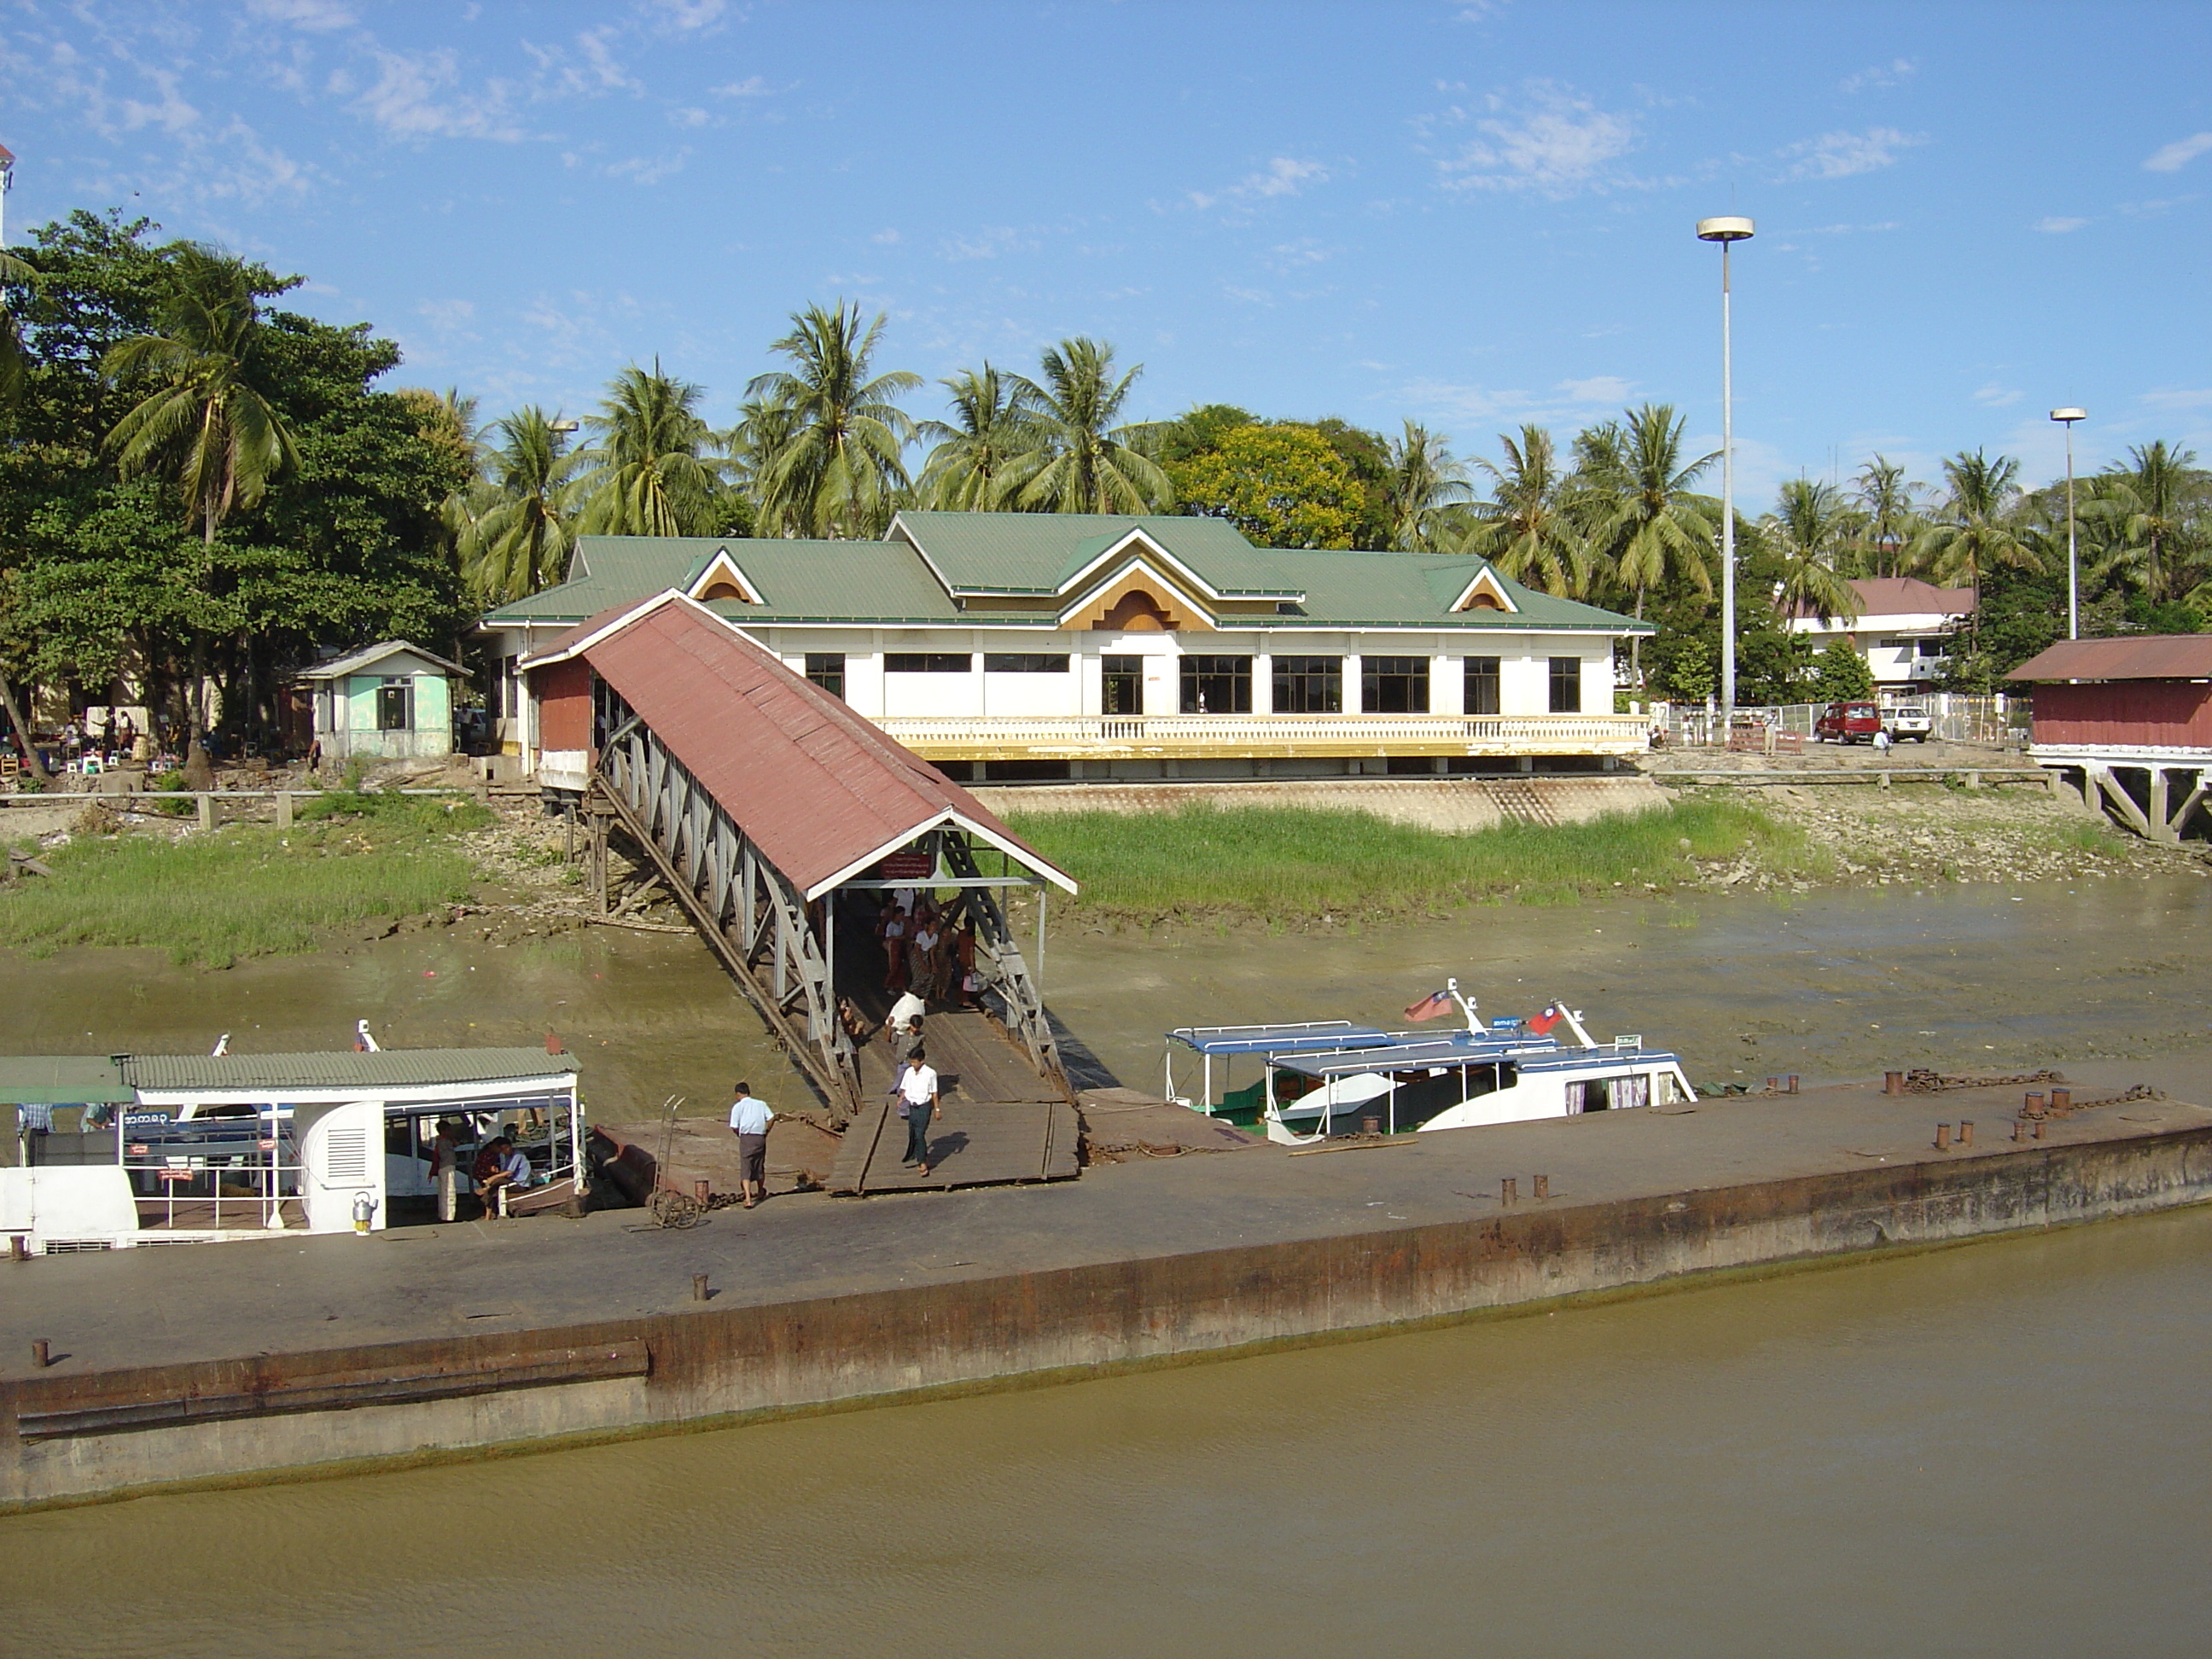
pixel 917 1096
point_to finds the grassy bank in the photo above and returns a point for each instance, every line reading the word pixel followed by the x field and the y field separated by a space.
pixel 1292 866
pixel 248 889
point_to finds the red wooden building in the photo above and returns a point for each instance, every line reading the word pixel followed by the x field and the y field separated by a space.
pixel 2129 722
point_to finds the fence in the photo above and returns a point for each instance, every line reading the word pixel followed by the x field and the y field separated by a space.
pixel 1953 717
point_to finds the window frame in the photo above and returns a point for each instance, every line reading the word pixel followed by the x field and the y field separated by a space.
pixel 1129 671
pixel 1489 673
pixel 827 670
pixel 1025 662
pixel 1408 673
pixel 404 685
pixel 1292 689
pixel 1192 680
pixel 929 662
pixel 1565 670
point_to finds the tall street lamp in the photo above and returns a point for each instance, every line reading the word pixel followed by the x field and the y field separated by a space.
pixel 2067 417
pixel 1725 231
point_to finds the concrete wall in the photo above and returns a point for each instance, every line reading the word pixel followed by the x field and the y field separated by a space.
pixel 725 1366
pixel 1453 806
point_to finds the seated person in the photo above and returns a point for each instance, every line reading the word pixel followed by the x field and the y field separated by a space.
pixel 500 1165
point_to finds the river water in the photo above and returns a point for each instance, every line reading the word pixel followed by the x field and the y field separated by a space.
pixel 1998 1449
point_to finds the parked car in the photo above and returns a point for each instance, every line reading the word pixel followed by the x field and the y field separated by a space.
pixel 1909 720
pixel 1848 722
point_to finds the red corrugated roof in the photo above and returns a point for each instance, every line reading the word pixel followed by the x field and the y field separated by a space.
pixel 2143 657
pixel 820 790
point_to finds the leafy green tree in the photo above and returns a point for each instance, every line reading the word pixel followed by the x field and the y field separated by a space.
pixel 520 533
pixel 1646 526
pixel 1528 528
pixel 828 434
pixel 1425 483
pixel 1086 461
pixel 1812 529
pixel 1977 529
pixel 652 475
pixel 1843 675
pixel 972 467
pixel 1195 431
pixel 1282 485
pixel 205 424
pixel 2156 509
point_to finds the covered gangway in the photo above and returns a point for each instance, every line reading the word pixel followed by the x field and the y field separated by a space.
pixel 761 797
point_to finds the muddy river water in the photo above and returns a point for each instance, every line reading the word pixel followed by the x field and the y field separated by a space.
pixel 2002 1448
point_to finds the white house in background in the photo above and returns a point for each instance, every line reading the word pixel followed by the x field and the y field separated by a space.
pixel 1009 646
pixel 1903 629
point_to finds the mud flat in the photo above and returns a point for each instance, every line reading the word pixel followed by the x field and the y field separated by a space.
pixel 294 1356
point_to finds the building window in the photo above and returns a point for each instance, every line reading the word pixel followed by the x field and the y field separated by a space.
pixel 1483 696
pixel 1121 685
pixel 1217 685
pixel 1566 685
pixel 1933 647
pixel 1309 685
pixel 927 662
pixel 395 706
pixel 1394 686
pixel 1002 662
pixel 827 670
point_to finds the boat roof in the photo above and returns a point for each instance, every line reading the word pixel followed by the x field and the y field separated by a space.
pixel 345 1069
pixel 1408 1051
pixel 1307 1036
pixel 62 1080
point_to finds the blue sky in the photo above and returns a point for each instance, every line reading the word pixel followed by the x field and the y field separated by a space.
pixel 1473 215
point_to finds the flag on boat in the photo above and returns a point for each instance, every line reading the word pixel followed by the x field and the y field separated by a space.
pixel 1542 1024
pixel 1437 1002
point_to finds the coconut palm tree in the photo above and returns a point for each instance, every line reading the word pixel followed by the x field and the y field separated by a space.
pixel 2152 510
pixel 1424 484
pixel 834 469
pixel 203 423
pixel 1646 526
pixel 1083 462
pixel 521 522
pixel 654 474
pixel 1527 528
pixel 1888 515
pixel 12 357
pixel 1977 528
pixel 1811 530
pixel 971 468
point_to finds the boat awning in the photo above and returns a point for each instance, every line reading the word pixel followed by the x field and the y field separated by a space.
pixel 62 1080
pixel 1402 1054
pixel 1312 1037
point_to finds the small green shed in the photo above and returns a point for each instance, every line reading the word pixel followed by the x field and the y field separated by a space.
pixel 389 702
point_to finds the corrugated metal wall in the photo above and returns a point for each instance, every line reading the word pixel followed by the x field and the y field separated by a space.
pixel 2125 712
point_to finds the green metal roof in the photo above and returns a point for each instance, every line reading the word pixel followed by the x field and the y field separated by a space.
pixel 343 1069
pixel 1015 555
pixel 61 1080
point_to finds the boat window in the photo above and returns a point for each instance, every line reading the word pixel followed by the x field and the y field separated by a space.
pixel 1629 1091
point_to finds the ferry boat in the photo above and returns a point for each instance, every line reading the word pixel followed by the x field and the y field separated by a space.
pixel 1327 1078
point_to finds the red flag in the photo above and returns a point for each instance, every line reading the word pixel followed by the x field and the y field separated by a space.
pixel 1542 1024
pixel 1437 1002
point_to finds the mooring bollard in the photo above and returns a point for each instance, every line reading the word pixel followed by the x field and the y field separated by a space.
pixel 2038 1128
pixel 2017 1126
pixel 1790 1083
pixel 1509 1190
pixel 1892 1082
pixel 42 1353
pixel 19 1248
pixel 1965 1132
pixel 1942 1136
pixel 702 1192
pixel 699 1291
pixel 1543 1186
pixel 2034 1108
pixel 2061 1100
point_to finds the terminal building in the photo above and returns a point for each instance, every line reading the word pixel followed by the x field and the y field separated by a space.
pixel 1017 645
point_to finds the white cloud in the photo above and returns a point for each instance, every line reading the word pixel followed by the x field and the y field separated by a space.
pixel 1473 402
pixel 688 116
pixel 1994 396
pixel 989 243
pixel 1895 72
pixel 2058 225
pixel 415 97
pixel 320 16
pixel 752 87
pixel 447 314
pixel 686 15
pixel 648 169
pixel 2179 153
pixel 1283 176
pixel 886 236
pixel 1555 142
pixel 170 112
pixel 1598 389
pixel 2177 398
pixel 1841 155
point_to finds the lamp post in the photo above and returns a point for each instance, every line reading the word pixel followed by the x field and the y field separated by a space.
pixel 2066 417
pixel 1725 231
pixel 7 184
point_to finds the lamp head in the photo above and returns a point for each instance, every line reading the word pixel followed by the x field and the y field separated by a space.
pixel 1727 229
pixel 2069 415
pixel 561 426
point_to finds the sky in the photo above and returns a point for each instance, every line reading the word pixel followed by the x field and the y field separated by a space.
pixel 1471 215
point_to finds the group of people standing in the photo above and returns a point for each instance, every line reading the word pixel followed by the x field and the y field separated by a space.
pixel 925 952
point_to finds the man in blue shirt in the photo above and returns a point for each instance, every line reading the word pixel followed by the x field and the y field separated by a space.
pixel 749 1121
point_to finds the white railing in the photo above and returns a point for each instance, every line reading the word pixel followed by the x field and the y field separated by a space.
pixel 1229 734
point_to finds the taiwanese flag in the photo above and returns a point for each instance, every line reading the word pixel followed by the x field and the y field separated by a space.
pixel 1437 1002
pixel 1542 1024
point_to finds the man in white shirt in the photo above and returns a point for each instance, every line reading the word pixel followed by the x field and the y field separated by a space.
pixel 917 1096
pixel 749 1121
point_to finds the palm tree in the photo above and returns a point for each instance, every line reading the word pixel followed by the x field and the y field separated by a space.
pixel 1085 463
pixel 651 477
pixel 1424 483
pixel 834 468
pixel 970 469
pixel 1976 529
pixel 1888 515
pixel 521 522
pixel 1812 529
pixel 12 356
pixel 2154 507
pixel 1646 526
pixel 204 423
pixel 1527 529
